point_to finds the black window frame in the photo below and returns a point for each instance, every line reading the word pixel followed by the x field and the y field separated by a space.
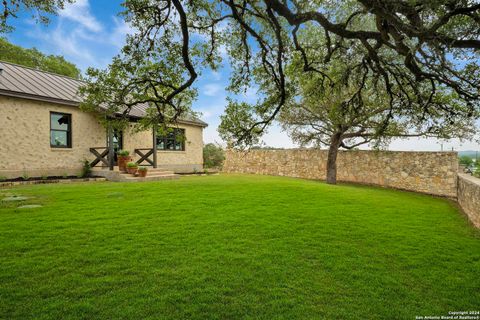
pixel 165 139
pixel 68 131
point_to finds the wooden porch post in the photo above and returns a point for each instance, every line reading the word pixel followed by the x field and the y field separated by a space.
pixel 110 148
pixel 154 146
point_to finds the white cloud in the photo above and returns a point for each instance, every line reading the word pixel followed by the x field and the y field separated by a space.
pixel 216 75
pixel 430 144
pixel 211 90
pixel 67 42
pixel 251 94
pixel 120 32
pixel 79 11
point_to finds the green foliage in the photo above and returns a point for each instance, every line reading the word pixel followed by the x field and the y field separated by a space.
pixel 476 173
pixel 465 161
pixel 213 156
pixel 44 177
pixel 41 11
pixel 86 169
pixel 132 164
pixel 347 100
pixel 35 59
pixel 142 168
pixel 237 125
pixel 123 153
pixel 235 247
pixel 157 65
pixel 3 178
pixel 329 68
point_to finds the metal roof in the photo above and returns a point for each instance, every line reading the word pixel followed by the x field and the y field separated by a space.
pixel 28 83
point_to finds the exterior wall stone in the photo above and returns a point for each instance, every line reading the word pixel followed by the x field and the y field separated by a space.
pixel 426 172
pixel 25 141
pixel 178 161
pixel 469 197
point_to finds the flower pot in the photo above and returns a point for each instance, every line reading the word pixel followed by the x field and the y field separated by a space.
pixel 122 162
pixel 142 173
pixel 132 170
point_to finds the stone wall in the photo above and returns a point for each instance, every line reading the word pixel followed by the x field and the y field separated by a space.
pixel 469 197
pixel 25 144
pixel 426 172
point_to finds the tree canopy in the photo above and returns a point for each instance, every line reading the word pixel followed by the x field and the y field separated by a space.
pixel 465 161
pixel 40 10
pixel 36 59
pixel 353 107
pixel 416 48
pixel 213 156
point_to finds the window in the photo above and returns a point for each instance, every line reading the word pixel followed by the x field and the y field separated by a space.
pixel 60 130
pixel 173 140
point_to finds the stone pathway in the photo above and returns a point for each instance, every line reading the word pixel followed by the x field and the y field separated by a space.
pixel 8 197
pixel 30 206
pixel 15 198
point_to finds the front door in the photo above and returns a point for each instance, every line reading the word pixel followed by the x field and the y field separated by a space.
pixel 117 143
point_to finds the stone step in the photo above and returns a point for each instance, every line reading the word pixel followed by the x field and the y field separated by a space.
pixel 153 174
pixel 150 178
pixel 115 169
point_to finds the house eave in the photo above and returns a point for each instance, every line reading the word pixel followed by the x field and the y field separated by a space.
pixel 28 96
pixel 71 103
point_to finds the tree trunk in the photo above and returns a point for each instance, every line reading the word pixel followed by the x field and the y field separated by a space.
pixel 335 142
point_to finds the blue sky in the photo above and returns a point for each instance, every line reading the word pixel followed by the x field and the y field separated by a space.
pixel 90 33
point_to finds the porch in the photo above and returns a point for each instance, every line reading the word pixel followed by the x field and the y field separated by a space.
pixel 146 157
pixel 105 162
pixel 107 157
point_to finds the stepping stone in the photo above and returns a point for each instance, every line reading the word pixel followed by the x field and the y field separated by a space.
pixel 30 206
pixel 7 194
pixel 115 195
pixel 15 198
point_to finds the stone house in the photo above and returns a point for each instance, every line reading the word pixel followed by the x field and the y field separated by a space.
pixel 43 132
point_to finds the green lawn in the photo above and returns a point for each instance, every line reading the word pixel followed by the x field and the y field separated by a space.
pixel 229 247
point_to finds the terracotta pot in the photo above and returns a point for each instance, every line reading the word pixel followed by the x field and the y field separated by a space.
pixel 122 162
pixel 132 170
pixel 142 173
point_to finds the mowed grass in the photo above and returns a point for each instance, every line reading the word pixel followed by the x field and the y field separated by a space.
pixel 234 246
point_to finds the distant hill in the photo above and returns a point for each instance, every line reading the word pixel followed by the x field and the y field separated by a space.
pixel 471 154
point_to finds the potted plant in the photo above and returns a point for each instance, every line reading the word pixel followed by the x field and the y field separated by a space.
pixel 123 157
pixel 142 172
pixel 132 167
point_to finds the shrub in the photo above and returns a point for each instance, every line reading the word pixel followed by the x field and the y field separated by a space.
pixel 476 173
pixel 132 164
pixel 465 161
pixel 123 153
pixel 25 176
pixel 44 177
pixel 142 168
pixel 213 156
pixel 86 169
pixel 3 178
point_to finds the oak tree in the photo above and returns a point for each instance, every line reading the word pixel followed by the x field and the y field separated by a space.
pixel 416 48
